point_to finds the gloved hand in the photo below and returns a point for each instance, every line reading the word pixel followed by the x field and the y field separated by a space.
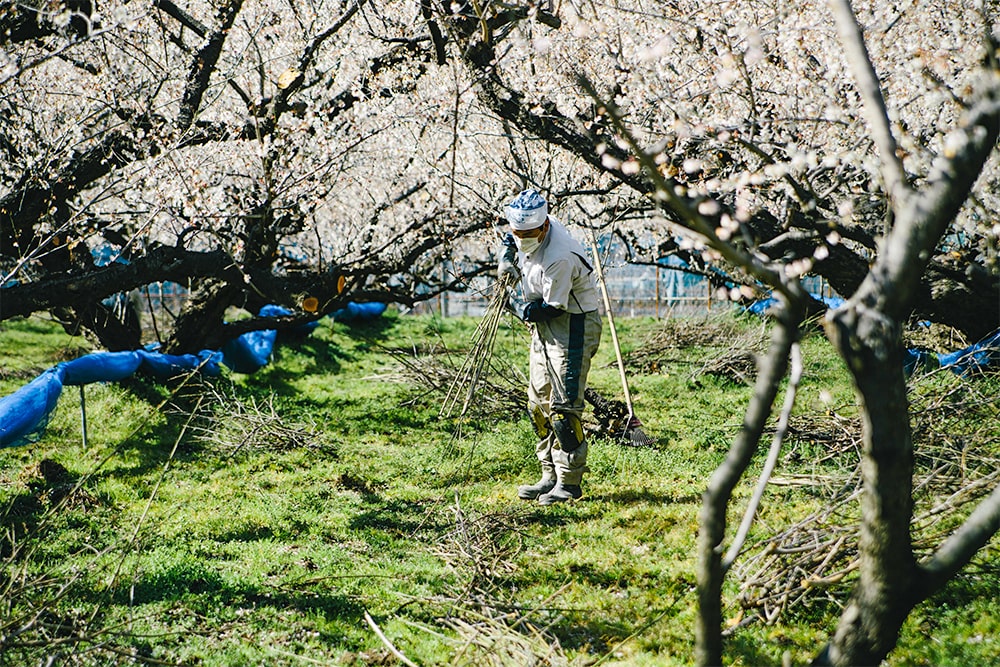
pixel 507 265
pixel 539 311
pixel 516 304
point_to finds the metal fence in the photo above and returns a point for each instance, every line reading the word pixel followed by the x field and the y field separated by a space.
pixel 634 291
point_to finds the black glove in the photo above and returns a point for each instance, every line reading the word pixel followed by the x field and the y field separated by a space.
pixel 539 311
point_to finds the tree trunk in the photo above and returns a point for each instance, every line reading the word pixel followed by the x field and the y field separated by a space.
pixel 871 344
pixel 200 324
pixel 115 328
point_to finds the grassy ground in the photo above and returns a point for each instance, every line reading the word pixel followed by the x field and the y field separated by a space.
pixel 291 516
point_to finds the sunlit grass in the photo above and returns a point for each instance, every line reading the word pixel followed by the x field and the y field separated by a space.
pixel 217 541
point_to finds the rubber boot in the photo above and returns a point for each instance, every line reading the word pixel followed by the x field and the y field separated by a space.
pixel 539 488
pixel 561 493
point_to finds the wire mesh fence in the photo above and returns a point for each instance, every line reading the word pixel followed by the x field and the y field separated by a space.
pixel 635 291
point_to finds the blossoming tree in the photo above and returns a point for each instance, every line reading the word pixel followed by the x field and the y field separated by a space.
pixel 307 154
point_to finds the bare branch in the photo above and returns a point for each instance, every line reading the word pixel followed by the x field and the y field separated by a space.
pixel 956 552
pixel 871 94
pixel 772 459
pixel 203 64
pixel 716 497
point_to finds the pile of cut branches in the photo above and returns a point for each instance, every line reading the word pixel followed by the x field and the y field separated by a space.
pixel 815 558
pixel 732 349
pixel 239 424
pixel 810 558
pixel 487 629
pixel 491 631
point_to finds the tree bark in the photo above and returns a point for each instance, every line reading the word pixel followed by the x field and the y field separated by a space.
pixel 715 499
pixel 871 345
pixel 200 324
pixel 867 332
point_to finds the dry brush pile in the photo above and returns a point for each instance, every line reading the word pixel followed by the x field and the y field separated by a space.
pixel 730 348
pixel 814 559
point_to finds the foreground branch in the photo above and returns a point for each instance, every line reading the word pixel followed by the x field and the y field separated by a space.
pixel 715 500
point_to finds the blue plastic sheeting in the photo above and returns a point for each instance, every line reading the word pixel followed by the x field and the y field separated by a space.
pixel 974 358
pixel 25 413
pixel 249 352
pixel 761 306
pixel 278 311
pixel 165 366
pixel 100 367
pixel 914 358
pixel 358 312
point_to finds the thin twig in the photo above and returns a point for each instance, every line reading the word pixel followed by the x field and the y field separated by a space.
pixel 388 644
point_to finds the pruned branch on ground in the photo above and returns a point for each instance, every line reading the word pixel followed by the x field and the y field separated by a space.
pixel 816 558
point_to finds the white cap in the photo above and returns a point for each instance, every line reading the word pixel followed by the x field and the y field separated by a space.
pixel 528 211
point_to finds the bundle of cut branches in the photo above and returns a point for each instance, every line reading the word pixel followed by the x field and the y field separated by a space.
pixel 499 391
pixel 464 385
pixel 499 642
pixel 481 548
pixel 836 435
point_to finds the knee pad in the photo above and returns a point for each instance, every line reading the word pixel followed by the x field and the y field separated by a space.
pixel 539 420
pixel 569 431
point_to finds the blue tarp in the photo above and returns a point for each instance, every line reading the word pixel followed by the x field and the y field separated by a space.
pixel 358 312
pixel 25 413
pixel 761 306
pixel 250 352
pixel 976 357
pixel 161 366
pixel 914 358
pixel 100 367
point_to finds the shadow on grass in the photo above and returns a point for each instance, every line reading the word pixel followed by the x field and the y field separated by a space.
pixel 634 496
pixel 188 579
pixel 19 517
pixel 745 650
pixel 319 355
pixel 401 518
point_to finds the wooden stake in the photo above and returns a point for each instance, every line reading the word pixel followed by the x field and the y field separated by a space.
pixel 83 416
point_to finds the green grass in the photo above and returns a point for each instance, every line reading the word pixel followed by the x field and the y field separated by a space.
pixel 258 519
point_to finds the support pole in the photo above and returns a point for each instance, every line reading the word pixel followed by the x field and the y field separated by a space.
pixel 83 416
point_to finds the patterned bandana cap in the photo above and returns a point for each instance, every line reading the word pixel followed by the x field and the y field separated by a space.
pixel 527 211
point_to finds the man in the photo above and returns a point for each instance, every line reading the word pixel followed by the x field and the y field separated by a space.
pixel 560 301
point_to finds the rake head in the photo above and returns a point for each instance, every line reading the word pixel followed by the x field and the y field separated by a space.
pixel 615 419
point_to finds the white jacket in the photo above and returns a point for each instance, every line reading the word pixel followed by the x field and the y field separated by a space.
pixel 559 272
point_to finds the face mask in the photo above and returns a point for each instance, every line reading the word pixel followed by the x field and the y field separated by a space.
pixel 528 245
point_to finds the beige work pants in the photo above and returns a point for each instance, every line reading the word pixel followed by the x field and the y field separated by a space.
pixel 559 362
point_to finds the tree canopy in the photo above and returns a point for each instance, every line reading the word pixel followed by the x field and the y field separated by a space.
pixel 342 151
